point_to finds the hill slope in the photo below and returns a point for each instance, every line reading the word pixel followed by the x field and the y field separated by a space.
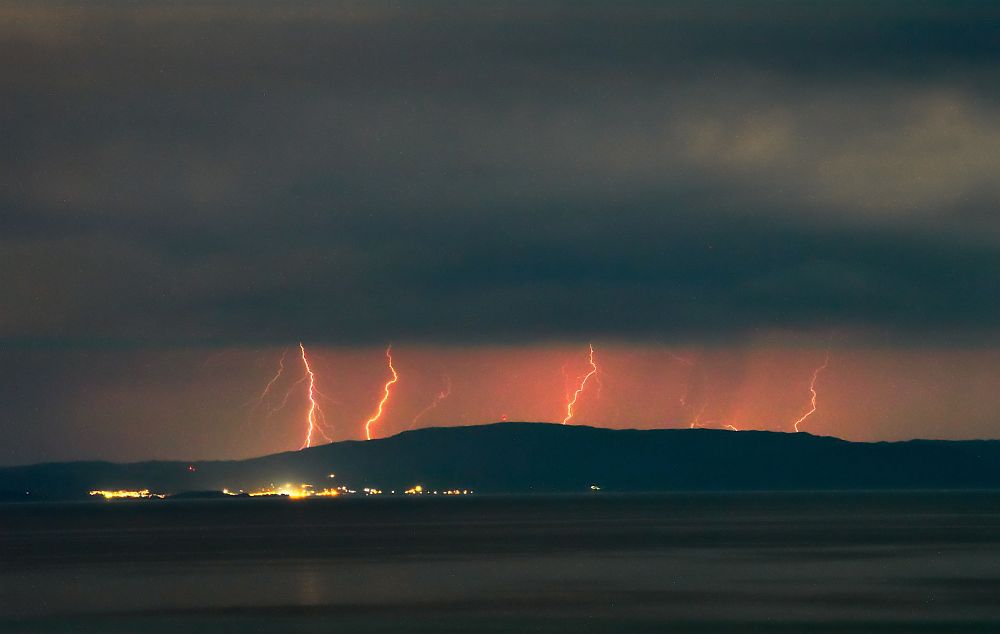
pixel 536 457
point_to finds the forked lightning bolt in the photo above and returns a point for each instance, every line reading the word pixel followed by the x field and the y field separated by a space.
pixel 385 396
pixel 696 421
pixel 440 396
pixel 270 384
pixel 288 394
pixel 683 398
pixel 571 403
pixel 315 420
pixel 812 390
pixel 315 413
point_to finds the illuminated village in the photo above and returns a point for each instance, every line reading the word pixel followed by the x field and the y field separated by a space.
pixel 127 494
pixel 288 490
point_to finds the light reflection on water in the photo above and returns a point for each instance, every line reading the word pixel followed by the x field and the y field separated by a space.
pixel 876 562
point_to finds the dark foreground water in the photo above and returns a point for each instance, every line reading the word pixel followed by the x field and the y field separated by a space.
pixel 898 562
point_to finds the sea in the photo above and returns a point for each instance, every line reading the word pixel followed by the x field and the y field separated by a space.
pixel 878 562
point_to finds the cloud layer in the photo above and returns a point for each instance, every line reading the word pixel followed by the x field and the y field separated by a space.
pixel 356 172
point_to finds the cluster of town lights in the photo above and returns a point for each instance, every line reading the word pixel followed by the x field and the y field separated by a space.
pixel 288 490
pixel 295 491
pixel 419 490
pixel 126 494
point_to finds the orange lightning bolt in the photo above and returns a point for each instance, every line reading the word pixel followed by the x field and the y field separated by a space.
pixel 315 413
pixel 696 421
pixel 440 396
pixel 571 403
pixel 812 390
pixel 274 379
pixel 259 401
pixel 385 395
pixel 288 395
pixel 683 399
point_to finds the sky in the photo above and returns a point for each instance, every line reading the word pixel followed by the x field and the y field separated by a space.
pixel 716 195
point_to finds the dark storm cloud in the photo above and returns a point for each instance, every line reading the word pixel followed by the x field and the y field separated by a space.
pixel 364 171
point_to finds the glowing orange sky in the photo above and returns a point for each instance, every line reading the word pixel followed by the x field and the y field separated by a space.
pixel 199 404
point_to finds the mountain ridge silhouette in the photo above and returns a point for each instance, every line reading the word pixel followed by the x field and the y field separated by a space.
pixel 524 458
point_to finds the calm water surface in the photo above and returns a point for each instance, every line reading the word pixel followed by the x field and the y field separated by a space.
pixel 879 562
